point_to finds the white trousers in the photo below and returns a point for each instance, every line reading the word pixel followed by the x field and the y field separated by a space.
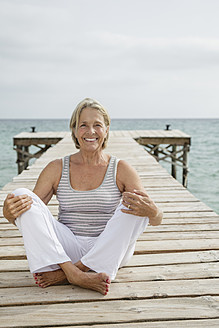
pixel 48 242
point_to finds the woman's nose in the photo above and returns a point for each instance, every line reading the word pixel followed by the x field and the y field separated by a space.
pixel 91 129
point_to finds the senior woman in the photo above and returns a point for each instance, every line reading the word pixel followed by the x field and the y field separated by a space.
pixel 103 208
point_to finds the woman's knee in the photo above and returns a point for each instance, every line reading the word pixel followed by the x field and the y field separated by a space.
pixel 22 191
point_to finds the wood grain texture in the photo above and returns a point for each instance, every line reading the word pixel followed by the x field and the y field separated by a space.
pixel 110 311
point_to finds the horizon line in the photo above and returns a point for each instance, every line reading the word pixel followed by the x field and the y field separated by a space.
pixel 127 118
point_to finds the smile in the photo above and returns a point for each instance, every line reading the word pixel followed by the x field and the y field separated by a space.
pixel 90 139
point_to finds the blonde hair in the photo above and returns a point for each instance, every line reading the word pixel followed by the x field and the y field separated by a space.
pixel 91 103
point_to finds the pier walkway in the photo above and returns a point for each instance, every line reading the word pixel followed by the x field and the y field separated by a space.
pixel 171 281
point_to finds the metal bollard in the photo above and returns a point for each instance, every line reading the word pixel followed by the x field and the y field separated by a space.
pixel 33 128
pixel 168 127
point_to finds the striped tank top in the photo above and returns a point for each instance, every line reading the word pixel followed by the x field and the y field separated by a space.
pixel 86 213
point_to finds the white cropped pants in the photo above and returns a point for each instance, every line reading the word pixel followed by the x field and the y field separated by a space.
pixel 48 242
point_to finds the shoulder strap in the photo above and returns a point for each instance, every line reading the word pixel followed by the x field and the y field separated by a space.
pixel 65 168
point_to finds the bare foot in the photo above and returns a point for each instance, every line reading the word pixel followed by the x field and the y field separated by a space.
pixel 99 282
pixel 50 278
pixel 45 279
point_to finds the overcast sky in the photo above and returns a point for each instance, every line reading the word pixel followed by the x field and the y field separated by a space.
pixel 139 58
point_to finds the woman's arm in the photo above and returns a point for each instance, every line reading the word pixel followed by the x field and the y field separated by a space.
pixel 48 181
pixel 45 187
pixel 135 197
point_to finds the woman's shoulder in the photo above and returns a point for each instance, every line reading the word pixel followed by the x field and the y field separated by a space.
pixel 48 180
pixel 127 176
pixel 124 166
pixel 52 170
pixel 125 170
pixel 54 165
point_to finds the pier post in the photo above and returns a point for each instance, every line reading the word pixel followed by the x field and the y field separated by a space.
pixel 20 161
pixel 156 152
pixel 23 157
pixel 173 166
pixel 185 165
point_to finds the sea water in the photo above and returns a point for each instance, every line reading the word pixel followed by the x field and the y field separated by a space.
pixel 203 178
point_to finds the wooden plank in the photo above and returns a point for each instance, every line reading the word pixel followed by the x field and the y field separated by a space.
pixel 13 265
pixel 12 252
pixel 156 195
pixel 154 182
pixel 147 133
pixel 32 176
pixel 172 199
pixel 156 140
pixel 174 258
pixel 7 231
pixel 109 312
pixel 188 219
pixel 132 274
pixel 45 138
pixel 147 236
pixel 184 206
pixel 7 226
pixel 136 260
pixel 11 241
pixel 175 245
pixel 131 290
pixel 181 218
pixel 20 279
pixel 199 323
pixel 191 214
pixel 176 235
pixel 42 134
pixel 149 185
pixel 142 247
pixel 169 272
pixel 171 206
pixel 14 185
pixel 184 227
pixel 13 237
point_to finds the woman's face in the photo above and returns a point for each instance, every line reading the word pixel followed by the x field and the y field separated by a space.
pixel 91 130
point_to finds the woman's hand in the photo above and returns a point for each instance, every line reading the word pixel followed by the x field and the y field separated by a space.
pixel 14 206
pixel 140 204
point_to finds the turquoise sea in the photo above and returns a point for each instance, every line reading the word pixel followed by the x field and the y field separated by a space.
pixel 203 179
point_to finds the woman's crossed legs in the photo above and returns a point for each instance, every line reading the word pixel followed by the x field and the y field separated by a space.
pixel 55 254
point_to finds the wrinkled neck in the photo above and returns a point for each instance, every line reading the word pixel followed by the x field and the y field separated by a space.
pixel 92 158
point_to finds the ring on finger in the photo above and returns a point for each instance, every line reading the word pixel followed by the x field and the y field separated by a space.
pixel 129 206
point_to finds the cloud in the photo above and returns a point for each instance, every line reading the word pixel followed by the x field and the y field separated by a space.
pixel 162 53
pixel 53 49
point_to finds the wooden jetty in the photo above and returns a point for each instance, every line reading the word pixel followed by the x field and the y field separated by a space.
pixel 41 140
pixel 171 281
